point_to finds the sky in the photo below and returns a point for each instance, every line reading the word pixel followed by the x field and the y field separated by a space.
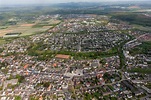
pixel 12 2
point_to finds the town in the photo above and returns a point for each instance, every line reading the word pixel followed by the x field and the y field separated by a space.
pixel 74 55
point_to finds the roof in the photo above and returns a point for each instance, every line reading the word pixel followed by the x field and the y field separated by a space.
pixel 26 66
pixel 147 89
pixel 54 65
pixel 62 56
pixel 130 86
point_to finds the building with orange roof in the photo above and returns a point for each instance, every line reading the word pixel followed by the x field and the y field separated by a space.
pixel 54 65
pixel 41 98
pixel 27 73
pixel 26 66
pixel 61 56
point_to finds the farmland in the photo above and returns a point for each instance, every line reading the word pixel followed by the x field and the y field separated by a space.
pixel 28 28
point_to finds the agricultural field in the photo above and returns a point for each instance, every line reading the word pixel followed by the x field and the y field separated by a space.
pixel 28 29
pixel 46 23
pixel 2 41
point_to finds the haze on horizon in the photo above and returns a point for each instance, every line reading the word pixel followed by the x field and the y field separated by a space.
pixel 16 2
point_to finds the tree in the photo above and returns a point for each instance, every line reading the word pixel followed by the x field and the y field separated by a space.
pixel 106 76
pixel 46 84
pixel 102 61
pixel 20 78
pixel 17 98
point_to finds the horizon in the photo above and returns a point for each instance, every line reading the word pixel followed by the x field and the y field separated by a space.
pixel 44 2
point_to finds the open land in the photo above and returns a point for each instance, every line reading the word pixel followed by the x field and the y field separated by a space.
pixel 29 29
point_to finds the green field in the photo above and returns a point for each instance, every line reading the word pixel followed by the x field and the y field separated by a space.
pixel 142 27
pixel 28 28
pixel 134 18
pixel 141 49
pixel 2 41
